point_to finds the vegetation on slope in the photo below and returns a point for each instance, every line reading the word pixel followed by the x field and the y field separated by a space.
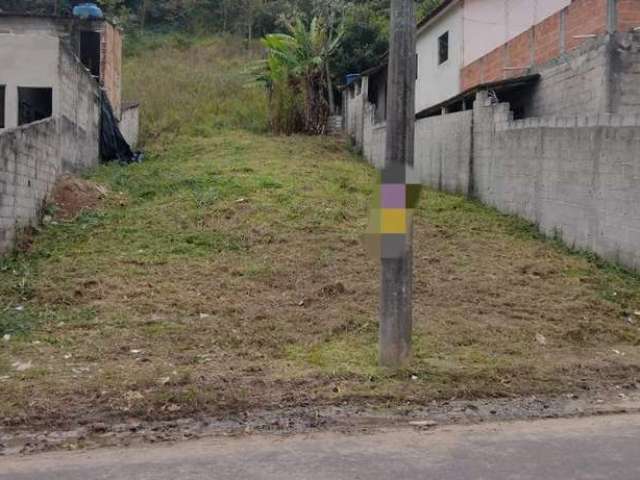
pixel 192 86
pixel 226 273
pixel 365 21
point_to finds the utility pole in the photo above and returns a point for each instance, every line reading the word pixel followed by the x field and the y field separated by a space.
pixel 397 197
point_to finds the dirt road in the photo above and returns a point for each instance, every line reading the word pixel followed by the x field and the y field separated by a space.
pixel 593 448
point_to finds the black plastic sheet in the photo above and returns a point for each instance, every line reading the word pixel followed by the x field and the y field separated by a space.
pixel 113 146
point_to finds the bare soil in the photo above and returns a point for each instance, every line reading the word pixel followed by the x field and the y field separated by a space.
pixel 343 418
pixel 73 195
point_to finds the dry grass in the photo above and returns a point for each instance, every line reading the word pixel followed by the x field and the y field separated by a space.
pixel 226 273
pixel 193 86
pixel 234 277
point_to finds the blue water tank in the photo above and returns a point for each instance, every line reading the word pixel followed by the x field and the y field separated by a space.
pixel 352 77
pixel 88 11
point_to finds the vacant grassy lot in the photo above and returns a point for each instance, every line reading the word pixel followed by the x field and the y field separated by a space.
pixel 226 272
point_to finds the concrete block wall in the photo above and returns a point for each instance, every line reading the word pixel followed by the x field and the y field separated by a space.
pixel 374 138
pixel 33 156
pixel 577 178
pixel 443 152
pixel 355 98
pixel 575 83
pixel 29 165
pixel 79 115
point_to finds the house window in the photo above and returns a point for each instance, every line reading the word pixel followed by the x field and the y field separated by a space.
pixel 443 48
pixel 2 105
pixel 90 51
pixel 34 104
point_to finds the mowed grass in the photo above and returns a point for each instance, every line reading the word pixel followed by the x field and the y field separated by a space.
pixel 226 273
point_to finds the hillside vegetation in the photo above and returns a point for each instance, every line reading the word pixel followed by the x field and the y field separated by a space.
pixel 226 273
pixel 193 86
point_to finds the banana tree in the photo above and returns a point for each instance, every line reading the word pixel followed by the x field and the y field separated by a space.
pixel 300 59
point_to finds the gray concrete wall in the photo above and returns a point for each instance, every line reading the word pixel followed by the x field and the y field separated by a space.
pixel 577 178
pixel 29 165
pixel 601 76
pixel 354 100
pixel 374 137
pixel 130 125
pixel 33 156
pixel 443 151
pixel 626 74
pixel 574 170
pixel 79 114
pixel 574 83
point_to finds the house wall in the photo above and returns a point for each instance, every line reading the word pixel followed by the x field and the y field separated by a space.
pixel 491 23
pixel 628 15
pixel 566 30
pixel 79 115
pixel 22 37
pixel 438 82
pixel 111 65
pixel 33 156
pixel 41 70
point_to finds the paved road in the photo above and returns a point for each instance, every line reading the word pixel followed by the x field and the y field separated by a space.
pixel 585 449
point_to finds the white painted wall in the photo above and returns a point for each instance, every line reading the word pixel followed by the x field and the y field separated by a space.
pixel 28 60
pixel 130 125
pixel 491 23
pixel 437 83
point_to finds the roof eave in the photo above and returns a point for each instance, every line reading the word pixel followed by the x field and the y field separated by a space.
pixel 439 10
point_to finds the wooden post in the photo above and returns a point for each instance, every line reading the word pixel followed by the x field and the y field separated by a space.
pixel 396 321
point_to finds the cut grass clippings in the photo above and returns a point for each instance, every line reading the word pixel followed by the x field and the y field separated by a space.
pixel 226 272
pixel 232 276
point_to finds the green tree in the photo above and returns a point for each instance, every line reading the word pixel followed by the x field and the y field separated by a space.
pixel 296 67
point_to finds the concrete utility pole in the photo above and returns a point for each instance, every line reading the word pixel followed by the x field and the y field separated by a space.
pixel 396 320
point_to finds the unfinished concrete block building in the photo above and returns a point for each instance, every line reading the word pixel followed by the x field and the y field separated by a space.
pixel 532 107
pixel 53 71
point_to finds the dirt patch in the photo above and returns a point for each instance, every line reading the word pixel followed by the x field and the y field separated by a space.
pixel 72 195
pixel 344 418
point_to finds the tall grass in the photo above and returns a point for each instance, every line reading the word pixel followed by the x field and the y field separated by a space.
pixel 191 86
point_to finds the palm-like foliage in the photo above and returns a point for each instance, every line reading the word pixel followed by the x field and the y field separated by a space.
pixel 297 67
